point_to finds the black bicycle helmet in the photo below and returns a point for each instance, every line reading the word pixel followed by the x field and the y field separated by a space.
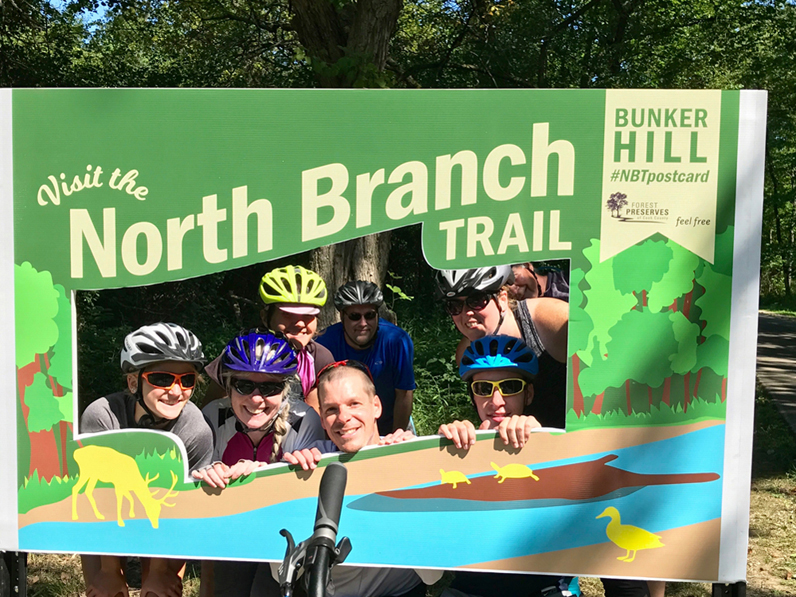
pixel 358 292
pixel 464 282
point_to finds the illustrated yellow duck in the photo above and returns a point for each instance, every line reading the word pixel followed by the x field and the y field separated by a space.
pixel 453 478
pixel 513 471
pixel 627 536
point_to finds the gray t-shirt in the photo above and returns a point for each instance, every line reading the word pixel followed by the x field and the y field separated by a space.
pixel 117 411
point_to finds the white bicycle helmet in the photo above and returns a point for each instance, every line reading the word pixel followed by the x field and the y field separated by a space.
pixel 464 282
pixel 160 342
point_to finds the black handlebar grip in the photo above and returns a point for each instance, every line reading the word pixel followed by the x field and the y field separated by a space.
pixel 330 497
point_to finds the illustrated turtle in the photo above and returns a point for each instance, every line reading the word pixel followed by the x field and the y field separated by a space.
pixel 513 471
pixel 453 478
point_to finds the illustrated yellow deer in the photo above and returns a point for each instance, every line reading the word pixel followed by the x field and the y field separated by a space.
pixel 98 463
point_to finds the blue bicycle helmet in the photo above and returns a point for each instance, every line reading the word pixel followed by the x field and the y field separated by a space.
pixel 498 352
pixel 260 352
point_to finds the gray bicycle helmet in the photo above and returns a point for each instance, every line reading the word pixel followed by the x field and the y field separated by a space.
pixel 160 342
pixel 358 292
pixel 464 282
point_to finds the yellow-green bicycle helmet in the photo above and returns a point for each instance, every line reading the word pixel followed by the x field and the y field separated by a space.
pixel 293 284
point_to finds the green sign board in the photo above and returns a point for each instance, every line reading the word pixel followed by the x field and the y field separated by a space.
pixel 654 197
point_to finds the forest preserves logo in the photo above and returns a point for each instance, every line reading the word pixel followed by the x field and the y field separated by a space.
pixel 635 211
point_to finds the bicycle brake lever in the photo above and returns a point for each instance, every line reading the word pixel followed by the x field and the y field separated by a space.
pixel 342 550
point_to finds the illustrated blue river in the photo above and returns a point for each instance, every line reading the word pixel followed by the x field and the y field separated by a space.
pixel 443 536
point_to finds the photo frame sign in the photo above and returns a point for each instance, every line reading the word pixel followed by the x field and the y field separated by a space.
pixel 655 197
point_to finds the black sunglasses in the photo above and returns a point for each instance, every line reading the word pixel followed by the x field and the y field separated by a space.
pixel 246 387
pixel 166 380
pixel 368 315
pixel 476 302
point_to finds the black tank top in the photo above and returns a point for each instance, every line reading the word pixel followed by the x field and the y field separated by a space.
pixel 549 404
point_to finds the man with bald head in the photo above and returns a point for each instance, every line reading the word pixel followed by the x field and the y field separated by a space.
pixel 349 409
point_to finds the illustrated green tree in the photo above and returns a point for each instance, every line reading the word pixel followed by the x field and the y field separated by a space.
pixel 715 304
pixel 631 277
pixel 640 350
pixel 36 308
pixel 605 306
pixel 580 327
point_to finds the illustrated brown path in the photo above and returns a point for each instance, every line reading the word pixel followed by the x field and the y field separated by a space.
pixel 776 362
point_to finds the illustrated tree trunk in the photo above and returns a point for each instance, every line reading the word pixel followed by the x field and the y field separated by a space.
pixel 363 258
pixel 43 450
pixel 696 385
pixel 687 391
pixel 58 391
pixel 627 397
pixel 348 45
pixel 577 401
pixel 597 408
pixel 688 299
pixel 723 389
pixel 667 388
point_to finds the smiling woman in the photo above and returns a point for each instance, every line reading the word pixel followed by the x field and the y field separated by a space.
pixel 162 362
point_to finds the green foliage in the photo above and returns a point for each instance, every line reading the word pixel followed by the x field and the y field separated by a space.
pixel 629 277
pixel 35 492
pixel 605 305
pixel 45 409
pixel 35 307
pixel 698 410
pixel 61 361
pixel 677 279
pixel 440 396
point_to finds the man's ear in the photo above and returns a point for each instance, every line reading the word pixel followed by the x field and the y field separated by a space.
pixel 377 405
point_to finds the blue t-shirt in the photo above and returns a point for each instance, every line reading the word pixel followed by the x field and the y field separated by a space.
pixel 390 359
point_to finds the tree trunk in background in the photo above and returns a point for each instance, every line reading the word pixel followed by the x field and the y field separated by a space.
pixel 348 44
pixel 358 32
pixel 363 258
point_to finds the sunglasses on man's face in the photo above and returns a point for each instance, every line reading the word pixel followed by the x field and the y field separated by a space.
pixel 246 387
pixel 507 387
pixel 368 315
pixel 166 380
pixel 475 302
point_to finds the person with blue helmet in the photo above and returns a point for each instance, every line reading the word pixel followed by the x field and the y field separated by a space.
pixel 500 371
pixel 263 414
pixel 262 417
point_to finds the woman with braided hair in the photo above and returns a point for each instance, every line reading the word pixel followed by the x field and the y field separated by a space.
pixel 262 417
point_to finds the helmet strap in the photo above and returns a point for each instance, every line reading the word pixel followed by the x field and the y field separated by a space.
pixel 149 420
pixel 502 316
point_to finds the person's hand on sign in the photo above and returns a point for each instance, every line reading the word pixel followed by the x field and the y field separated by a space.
pixel 515 430
pixel 308 458
pixel 461 433
pixel 396 437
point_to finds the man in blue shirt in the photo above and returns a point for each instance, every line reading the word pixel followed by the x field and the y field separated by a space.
pixel 385 348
